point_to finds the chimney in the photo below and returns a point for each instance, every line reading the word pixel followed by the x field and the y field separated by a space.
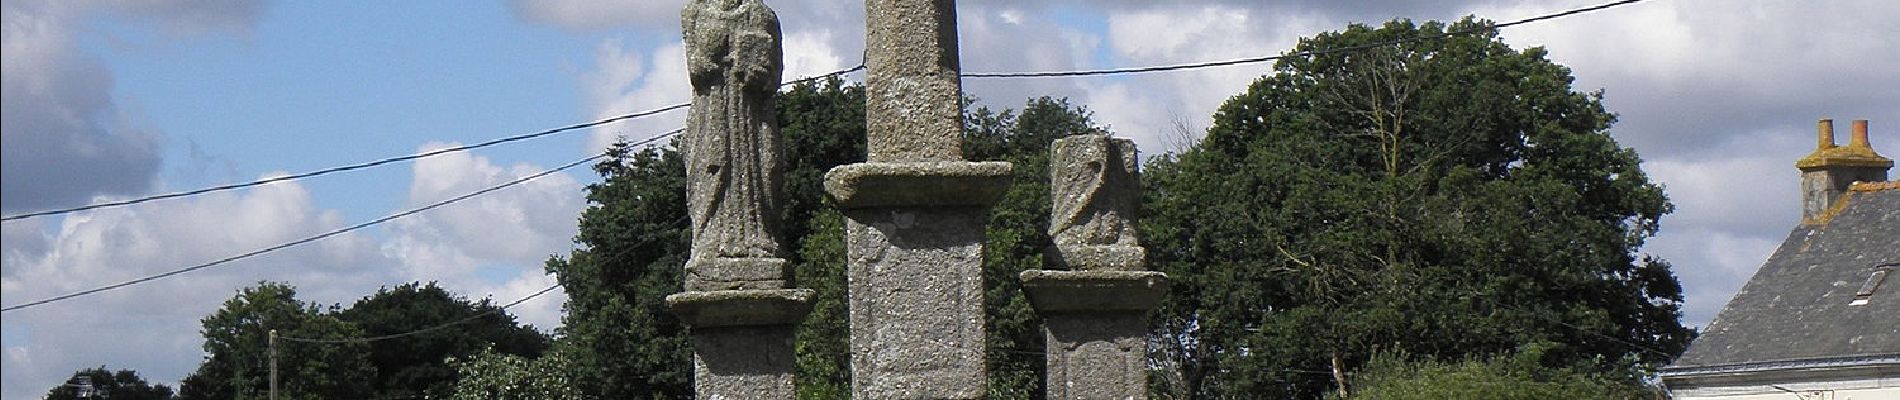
pixel 1827 173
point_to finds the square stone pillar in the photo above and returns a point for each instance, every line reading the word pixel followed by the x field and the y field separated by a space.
pixel 1096 327
pixel 743 341
pixel 915 248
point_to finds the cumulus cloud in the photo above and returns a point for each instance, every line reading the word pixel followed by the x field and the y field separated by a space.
pixel 492 245
pixel 64 139
pixel 484 247
pixel 153 327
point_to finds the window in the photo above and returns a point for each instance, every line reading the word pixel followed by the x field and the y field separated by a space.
pixel 1874 279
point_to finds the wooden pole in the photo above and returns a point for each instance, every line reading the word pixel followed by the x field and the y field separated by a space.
pixel 273 364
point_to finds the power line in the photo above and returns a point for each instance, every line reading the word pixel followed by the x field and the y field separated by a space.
pixel 1252 60
pixel 861 66
pixel 428 329
pixel 351 167
pixel 325 235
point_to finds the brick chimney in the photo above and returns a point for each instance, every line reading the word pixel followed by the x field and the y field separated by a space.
pixel 1830 170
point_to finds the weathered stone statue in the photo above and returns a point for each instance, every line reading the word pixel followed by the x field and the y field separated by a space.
pixel 1095 299
pixel 731 145
pixel 1095 192
pixel 737 300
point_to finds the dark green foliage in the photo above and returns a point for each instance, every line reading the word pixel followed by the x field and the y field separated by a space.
pixel 99 383
pixel 1448 198
pixel 628 345
pixel 824 339
pixel 238 361
pixel 1519 376
pixel 823 128
pixel 414 366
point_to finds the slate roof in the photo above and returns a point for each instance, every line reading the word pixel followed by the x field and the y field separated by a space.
pixel 1796 308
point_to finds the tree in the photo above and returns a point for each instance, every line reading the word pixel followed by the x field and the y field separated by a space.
pixel 414 365
pixel 492 375
pixel 237 364
pixel 1448 197
pixel 99 383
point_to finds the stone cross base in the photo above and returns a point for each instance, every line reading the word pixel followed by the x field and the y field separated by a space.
pixel 743 340
pixel 915 245
pixel 1096 325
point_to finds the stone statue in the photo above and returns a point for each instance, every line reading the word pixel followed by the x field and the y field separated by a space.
pixel 731 145
pixel 1095 193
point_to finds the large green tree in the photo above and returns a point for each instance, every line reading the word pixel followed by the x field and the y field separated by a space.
pixel 237 344
pixel 414 365
pixel 1449 197
pixel 99 383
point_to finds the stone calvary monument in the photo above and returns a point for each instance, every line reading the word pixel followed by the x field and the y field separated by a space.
pixel 915 214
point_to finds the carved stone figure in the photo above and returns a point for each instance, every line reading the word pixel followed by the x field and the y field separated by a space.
pixel 731 145
pixel 1095 194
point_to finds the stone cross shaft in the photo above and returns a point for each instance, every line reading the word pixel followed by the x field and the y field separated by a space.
pixel 915 215
pixel 738 300
pixel 1095 298
pixel 914 99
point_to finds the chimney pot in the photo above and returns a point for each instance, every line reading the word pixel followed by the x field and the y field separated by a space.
pixel 1860 135
pixel 1826 131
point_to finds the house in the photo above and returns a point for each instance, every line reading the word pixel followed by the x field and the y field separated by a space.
pixel 1821 319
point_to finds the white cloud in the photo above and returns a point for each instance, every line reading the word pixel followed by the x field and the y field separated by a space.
pixel 625 80
pixel 153 327
pixel 493 244
pixel 65 138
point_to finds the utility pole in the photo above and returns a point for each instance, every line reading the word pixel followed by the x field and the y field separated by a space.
pixel 273 364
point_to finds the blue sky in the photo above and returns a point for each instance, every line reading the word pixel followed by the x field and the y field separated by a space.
pixel 106 99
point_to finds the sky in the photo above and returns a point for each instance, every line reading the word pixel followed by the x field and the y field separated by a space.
pixel 113 99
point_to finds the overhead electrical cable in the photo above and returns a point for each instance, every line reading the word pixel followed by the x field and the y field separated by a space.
pixel 438 327
pixel 856 68
pixel 326 235
pixel 1253 60
pixel 838 72
pixel 374 163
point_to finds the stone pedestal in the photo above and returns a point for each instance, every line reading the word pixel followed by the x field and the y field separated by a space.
pixel 1094 300
pixel 1095 323
pixel 915 248
pixel 743 341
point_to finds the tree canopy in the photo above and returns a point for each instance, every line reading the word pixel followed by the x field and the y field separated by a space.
pixel 414 365
pixel 237 344
pixel 1450 198
pixel 99 383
